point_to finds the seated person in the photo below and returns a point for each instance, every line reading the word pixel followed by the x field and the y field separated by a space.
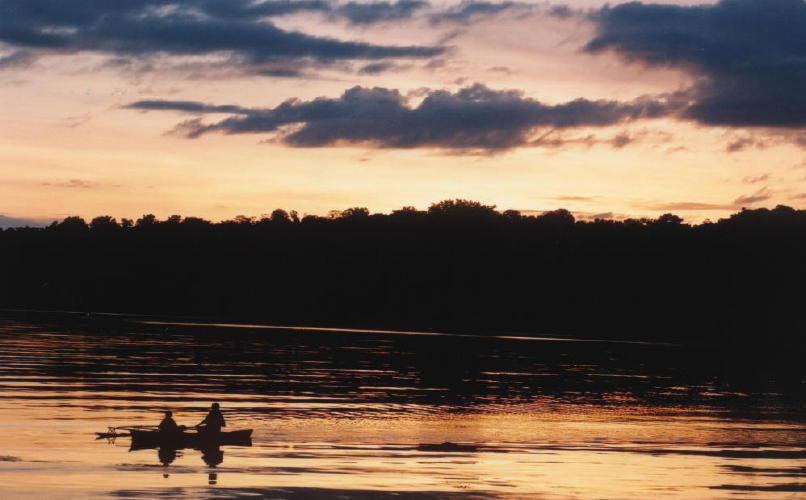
pixel 169 425
pixel 214 420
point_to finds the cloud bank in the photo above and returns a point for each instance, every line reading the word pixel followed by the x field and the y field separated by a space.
pixel 238 29
pixel 472 118
pixel 242 31
pixel 748 58
pixel 749 55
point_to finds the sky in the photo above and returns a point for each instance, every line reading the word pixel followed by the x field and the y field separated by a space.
pixel 218 108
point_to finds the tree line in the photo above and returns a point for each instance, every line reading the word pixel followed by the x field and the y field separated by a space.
pixel 458 266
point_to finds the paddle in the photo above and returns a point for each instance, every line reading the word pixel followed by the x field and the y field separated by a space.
pixel 113 431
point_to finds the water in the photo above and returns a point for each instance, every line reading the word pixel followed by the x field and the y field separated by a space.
pixel 339 414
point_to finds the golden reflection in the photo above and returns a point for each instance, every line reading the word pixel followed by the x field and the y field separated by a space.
pixel 520 426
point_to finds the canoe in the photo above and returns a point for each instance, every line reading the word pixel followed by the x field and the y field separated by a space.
pixel 190 439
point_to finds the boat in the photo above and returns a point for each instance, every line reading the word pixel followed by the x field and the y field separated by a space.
pixel 189 439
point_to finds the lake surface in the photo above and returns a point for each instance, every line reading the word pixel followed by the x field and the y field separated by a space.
pixel 340 414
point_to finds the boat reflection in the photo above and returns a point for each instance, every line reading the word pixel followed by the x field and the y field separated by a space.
pixel 212 455
pixel 167 455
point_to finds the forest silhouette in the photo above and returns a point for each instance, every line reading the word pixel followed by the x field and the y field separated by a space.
pixel 459 266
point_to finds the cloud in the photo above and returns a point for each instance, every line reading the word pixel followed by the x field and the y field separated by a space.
pixel 756 179
pixel 375 12
pixel 555 138
pixel 72 183
pixel 251 9
pixel 500 69
pixel 743 143
pixel 472 118
pixel 575 198
pixel 228 38
pixel 75 121
pixel 16 59
pixel 186 106
pixel 762 194
pixel 236 29
pixel 749 55
pixel 378 68
pixel 6 222
pixel 686 205
pixel 758 196
pixel 621 140
pixel 468 10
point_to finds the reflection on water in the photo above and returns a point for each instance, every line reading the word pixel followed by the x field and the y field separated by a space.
pixel 365 415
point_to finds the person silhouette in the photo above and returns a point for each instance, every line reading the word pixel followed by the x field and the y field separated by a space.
pixel 214 420
pixel 168 424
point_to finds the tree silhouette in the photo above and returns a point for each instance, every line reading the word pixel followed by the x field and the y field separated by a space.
pixel 354 213
pixel 460 265
pixel 104 223
pixel 462 209
pixel 71 224
pixel 147 220
pixel 280 216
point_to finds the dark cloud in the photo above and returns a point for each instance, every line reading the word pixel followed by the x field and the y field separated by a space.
pixel 762 194
pixel 473 118
pixel 743 143
pixel 622 140
pixel 378 68
pixel 181 27
pixel 282 71
pixel 238 34
pixel 255 9
pixel 750 55
pixel 186 106
pixel 375 12
pixel 472 9
pixel 563 11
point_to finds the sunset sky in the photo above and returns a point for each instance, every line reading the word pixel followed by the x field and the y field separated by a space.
pixel 215 108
